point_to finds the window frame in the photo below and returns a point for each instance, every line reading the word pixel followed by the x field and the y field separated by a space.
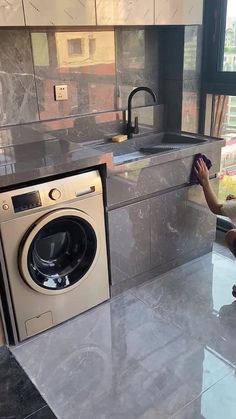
pixel 215 80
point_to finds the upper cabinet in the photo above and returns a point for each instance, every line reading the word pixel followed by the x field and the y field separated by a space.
pixel 178 12
pixel 59 12
pixel 11 13
pixel 125 12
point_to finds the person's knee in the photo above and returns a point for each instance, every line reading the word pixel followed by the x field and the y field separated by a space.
pixel 230 237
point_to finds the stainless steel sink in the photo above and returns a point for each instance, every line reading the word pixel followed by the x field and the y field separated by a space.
pixel 157 149
pixel 185 139
pixel 140 147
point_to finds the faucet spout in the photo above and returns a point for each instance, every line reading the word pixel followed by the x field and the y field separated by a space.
pixel 130 129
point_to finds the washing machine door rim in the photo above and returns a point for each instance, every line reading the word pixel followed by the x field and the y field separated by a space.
pixel 30 236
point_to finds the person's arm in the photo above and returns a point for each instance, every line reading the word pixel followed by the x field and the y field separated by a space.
pixel 203 176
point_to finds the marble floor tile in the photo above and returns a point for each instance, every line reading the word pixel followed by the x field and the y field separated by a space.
pixel 197 297
pixel 120 360
pixel 19 399
pixel 220 247
pixel 44 413
pixel 216 403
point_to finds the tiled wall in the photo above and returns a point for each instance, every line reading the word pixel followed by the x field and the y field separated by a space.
pixel 100 67
pixel 182 75
pixel 191 78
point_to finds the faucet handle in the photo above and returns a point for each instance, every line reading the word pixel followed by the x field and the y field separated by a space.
pixel 136 128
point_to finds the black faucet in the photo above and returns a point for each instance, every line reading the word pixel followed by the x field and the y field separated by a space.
pixel 130 130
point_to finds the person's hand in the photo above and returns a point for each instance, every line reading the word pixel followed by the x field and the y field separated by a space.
pixel 230 197
pixel 202 172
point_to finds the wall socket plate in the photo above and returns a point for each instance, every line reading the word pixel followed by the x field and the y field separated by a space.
pixel 61 92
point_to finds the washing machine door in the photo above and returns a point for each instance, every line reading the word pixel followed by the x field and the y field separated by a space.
pixel 59 251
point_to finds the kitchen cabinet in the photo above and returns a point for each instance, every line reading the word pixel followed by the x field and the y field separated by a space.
pixel 160 230
pixel 125 12
pixel 59 13
pixel 178 12
pixel 11 13
pixel 129 237
pixel 180 223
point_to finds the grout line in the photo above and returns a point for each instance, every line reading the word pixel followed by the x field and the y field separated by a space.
pixel 36 411
pixel 200 395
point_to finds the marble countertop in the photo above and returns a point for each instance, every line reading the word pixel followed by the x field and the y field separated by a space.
pixel 46 157
pixel 27 154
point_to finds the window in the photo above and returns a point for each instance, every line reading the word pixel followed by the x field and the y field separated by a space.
pixel 229 55
pixel 75 46
pixel 220 47
pixel 224 125
pixel 219 83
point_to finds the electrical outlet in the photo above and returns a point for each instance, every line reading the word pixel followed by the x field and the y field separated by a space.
pixel 61 92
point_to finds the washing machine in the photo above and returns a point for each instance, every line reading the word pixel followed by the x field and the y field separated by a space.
pixel 53 244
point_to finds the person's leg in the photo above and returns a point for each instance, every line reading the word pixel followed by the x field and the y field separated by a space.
pixel 230 240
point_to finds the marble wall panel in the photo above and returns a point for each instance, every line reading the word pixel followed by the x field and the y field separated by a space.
pixel 76 59
pixel 11 13
pixel 191 78
pixel 190 105
pixel 121 12
pixel 18 101
pixel 59 13
pixel 139 62
pixel 178 12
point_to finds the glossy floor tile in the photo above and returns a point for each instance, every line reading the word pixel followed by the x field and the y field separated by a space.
pixel 19 399
pixel 120 360
pixel 197 297
pixel 216 403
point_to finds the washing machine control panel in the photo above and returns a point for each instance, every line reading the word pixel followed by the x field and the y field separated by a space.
pixel 26 201
pixel 45 195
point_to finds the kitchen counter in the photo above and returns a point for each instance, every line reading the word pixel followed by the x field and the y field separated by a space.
pixel 27 154
pixel 155 219
pixel 45 156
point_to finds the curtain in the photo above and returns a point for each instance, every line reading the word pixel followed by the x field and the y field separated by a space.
pixel 220 109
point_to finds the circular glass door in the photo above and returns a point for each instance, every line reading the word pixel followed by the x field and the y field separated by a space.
pixel 59 251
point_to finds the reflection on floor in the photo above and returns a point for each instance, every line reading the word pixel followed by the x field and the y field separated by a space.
pixel 19 399
pixel 166 349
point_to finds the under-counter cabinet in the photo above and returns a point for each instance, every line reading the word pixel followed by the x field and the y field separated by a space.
pixel 158 231
pixel 125 12
pixel 180 223
pixel 59 13
pixel 178 12
pixel 11 13
pixel 129 231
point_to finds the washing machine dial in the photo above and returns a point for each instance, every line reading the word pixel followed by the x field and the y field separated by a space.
pixel 54 194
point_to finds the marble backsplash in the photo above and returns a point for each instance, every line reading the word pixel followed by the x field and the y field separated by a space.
pixel 99 66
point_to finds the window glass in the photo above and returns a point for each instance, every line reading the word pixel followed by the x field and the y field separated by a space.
pixel 224 126
pixel 229 59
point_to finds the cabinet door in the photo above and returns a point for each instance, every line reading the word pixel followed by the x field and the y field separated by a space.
pixel 63 12
pixel 178 12
pixel 125 12
pixel 180 223
pixel 11 13
pixel 129 238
